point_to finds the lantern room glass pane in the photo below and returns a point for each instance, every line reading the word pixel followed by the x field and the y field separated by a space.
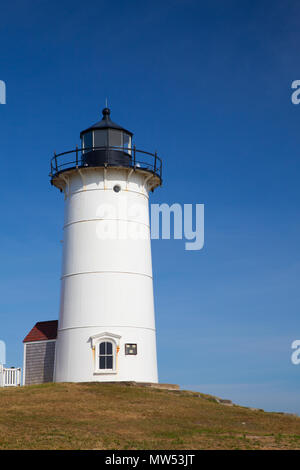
pixel 115 138
pixel 100 138
pixel 87 140
pixel 127 142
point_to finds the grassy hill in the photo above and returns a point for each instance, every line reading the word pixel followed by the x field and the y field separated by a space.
pixel 117 416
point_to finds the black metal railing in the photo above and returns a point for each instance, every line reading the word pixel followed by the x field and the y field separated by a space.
pixel 138 159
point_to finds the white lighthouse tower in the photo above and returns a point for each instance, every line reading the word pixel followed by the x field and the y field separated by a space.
pixel 106 329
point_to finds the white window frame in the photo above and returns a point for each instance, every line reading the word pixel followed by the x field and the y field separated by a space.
pixel 96 341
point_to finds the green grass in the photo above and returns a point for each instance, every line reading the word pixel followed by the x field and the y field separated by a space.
pixel 117 416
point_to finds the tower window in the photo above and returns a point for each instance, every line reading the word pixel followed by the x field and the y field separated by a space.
pixel 105 347
pixel 106 356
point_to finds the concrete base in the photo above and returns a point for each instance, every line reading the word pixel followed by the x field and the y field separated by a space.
pixel 148 384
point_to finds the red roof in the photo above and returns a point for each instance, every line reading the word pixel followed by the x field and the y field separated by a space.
pixel 42 331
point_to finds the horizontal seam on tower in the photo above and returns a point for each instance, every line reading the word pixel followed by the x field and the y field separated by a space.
pixel 103 220
pixel 105 326
pixel 105 272
pixel 107 189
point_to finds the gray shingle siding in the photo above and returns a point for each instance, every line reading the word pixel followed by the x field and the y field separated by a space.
pixel 39 364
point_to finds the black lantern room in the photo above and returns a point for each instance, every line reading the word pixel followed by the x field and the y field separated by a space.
pixel 106 143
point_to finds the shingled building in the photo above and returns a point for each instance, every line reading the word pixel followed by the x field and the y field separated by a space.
pixel 39 353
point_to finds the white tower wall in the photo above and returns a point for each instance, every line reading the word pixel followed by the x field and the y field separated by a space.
pixel 106 284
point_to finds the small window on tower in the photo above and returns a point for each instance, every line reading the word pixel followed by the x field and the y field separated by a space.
pixel 105 348
pixel 130 349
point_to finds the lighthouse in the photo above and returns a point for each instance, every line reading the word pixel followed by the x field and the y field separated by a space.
pixel 106 327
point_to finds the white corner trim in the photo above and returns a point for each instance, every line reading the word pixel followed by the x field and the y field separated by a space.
pixel 24 365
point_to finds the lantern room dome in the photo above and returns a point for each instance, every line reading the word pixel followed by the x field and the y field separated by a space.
pixel 105 123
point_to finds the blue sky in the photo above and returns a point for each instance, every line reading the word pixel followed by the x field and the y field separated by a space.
pixel 207 85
